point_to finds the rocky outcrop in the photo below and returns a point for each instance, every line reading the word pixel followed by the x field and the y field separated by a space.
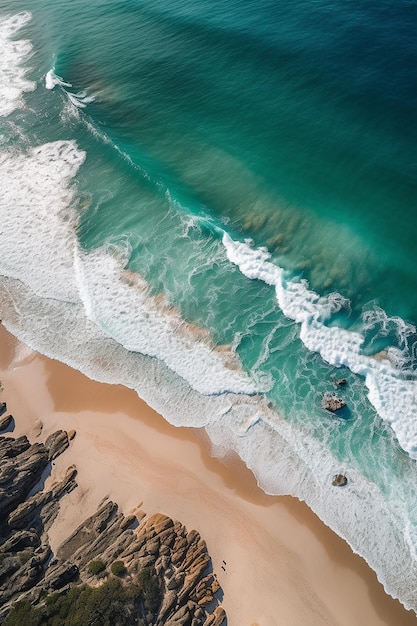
pixel 179 560
pixel 155 554
pixel 21 468
pixel 56 444
pixel 25 517
pixel 331 402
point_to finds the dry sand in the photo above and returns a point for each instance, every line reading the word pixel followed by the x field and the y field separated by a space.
pixel 278 565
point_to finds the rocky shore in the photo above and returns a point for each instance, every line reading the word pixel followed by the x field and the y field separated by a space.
pixel 163 572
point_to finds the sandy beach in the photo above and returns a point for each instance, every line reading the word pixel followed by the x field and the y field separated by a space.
pixel 278 565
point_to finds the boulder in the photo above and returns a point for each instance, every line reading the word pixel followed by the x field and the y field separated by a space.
pixel 5 422
pixel 340 382
pixel 217 617
pixel 333 403
pixel 56 443
pixel 339 480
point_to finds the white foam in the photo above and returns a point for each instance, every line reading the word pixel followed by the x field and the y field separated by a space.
pixel 392 392
pixel 119 301
pixel 79 99
pixel 284 459
pixel 52 79
pixel 39 246
pixel 288 461
pixel 14 53
pixel 38 220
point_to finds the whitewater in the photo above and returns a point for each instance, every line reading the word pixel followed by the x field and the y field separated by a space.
pixel 95 308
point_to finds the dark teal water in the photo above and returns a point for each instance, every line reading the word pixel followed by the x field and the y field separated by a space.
pixel 255 166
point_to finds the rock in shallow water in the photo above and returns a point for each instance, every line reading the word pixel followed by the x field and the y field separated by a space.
pixel 333 403
pixel 339 480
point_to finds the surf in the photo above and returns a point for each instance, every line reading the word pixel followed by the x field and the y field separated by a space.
pixel 125 311
pixel 15 54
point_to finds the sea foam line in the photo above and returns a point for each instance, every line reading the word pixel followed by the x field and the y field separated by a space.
pixel 392 392
pixel 64 313
pixel 119 301
pixel 39 218
pixel 285 460
pixel 14 53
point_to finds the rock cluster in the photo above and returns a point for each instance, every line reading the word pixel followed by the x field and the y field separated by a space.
pixel 177 560
pixel 25 517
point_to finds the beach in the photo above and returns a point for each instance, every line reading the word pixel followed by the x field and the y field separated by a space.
pixel 275 560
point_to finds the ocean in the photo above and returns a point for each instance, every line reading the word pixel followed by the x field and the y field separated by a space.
pixel 214 204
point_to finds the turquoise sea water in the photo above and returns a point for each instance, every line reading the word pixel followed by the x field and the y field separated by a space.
pixel 214 203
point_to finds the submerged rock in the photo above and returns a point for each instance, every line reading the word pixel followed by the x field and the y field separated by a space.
pixel 339 480
pixel 341 382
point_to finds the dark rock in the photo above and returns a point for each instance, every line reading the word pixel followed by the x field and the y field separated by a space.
pixel 341 382
pixel 24 513
pixel 8 471
pixel 3 408
pixel 62 576
pixel 8 566
pixel 339 480
pixel 10 447
pixel 128 522
pixel 30 575
pixel 29 465
pixel 57 443
pixel 333 403
pixel 20 540
pixel 83 539
pixel 177 560
pixel 5 422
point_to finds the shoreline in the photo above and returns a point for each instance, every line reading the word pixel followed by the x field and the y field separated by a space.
pixel 283 565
